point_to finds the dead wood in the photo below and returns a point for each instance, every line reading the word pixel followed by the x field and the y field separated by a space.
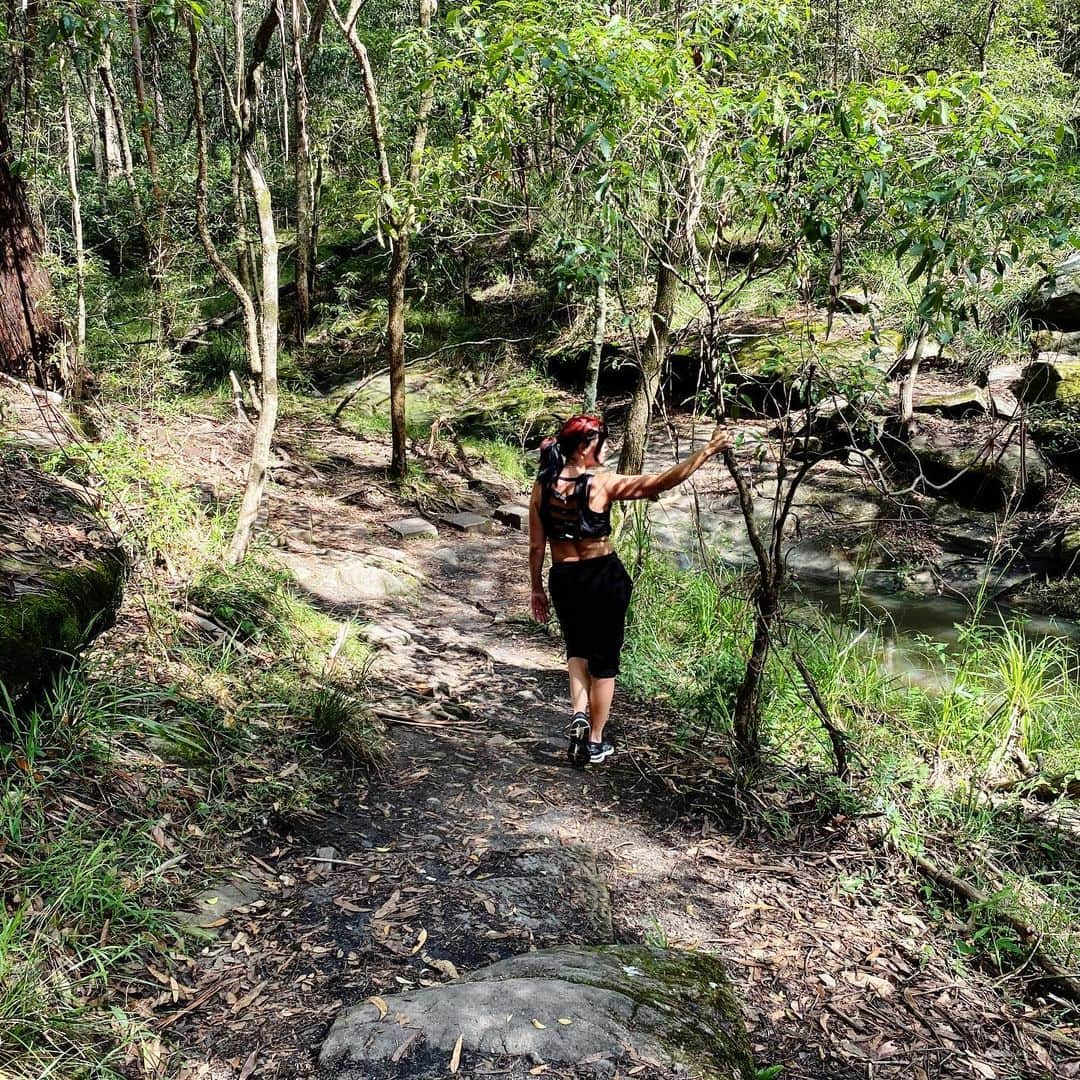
pixel 1067 982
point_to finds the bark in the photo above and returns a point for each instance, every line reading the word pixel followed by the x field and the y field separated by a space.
pixel 157 252
pixel 268 310
pixel 75 354
pixel 305 254
pixel 632 457
pixel 909 374
pixel 402 223
pixel 29 332
pixel 592 372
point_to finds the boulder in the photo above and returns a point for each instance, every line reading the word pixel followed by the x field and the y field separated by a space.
pixel 985 475
pixel 1055 304
pixel 960 404
pixel 61 576
pixel 1056 341
pixel 1068 550
pixel 569 1006
pixel 1052 377
pixel 768 375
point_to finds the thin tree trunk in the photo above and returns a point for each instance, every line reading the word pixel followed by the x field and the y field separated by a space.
pixel 157 254
pixel 74 380
pixel 592 371
pixel 402 223
pixel 221 268
pixel 268 309
pixel 909 374
pixel 264 429
pixel 632 458
pixel 96 147
pixel 29 333
pixel 305 256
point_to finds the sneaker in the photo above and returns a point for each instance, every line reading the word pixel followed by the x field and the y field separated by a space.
pixel 600 751
pixel 577 751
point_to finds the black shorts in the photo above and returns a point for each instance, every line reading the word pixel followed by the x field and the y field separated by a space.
pixel 591 598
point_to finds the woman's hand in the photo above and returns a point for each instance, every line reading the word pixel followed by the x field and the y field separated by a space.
pixel 720 440
pixel 540 608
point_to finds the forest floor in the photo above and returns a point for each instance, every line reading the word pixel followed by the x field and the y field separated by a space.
pixel 478 841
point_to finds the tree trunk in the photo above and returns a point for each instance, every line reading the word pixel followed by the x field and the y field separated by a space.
pixel 305 255
pixel 395 340
pixel 746 719
pixel 29 333
pixel 157 253
pixel 73 373
pixel 632 458
pixel 909 373
pixel 268 308
pixel 592 372
pixel 268 320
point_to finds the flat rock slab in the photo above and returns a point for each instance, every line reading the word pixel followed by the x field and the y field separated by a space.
pixel 592 1008
pixel 470 523
pixel 412 528
pixel 517 517
pixel 213 905
pixel 348 582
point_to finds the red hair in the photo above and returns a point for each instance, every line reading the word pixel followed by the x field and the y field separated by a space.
pixel 555 450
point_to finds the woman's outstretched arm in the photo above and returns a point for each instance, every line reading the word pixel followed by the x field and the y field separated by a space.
pixel 646 485
pixel 537 549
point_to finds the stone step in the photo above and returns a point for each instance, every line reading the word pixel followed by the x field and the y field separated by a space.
pixel 514 515
pixel 468 523
pixel 412 528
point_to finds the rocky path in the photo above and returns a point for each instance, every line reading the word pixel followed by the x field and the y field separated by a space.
pixel 479 843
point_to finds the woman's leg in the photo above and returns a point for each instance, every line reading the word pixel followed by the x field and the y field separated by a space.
pixel 600 694
pixel 580 684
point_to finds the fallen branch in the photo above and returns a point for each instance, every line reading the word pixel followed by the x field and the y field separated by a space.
pixel 1067 982
pixel 837 734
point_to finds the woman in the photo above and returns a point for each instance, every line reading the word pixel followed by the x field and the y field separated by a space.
pixel 571 509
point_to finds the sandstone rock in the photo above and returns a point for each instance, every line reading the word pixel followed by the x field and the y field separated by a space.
pixel 560 1006
pixel 387 636
pixel 1056 341
pixel 1052 377
pixel 1055 304
pixel 981 475
pixel 413 528
pixel 968 401
pixel 61 578
pixel 513 515
pixel 468 523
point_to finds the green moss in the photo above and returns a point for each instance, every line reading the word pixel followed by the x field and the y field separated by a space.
pixel 41 629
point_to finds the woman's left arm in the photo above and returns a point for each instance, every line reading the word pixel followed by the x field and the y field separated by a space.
pixel 537 550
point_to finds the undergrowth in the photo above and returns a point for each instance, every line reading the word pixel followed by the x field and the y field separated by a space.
pixel 932 765
pixel 121 784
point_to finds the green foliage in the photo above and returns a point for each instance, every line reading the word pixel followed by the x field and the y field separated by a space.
pixel 247 599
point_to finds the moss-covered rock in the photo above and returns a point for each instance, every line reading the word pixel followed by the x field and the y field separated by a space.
pixel 561 1006
pixel 769 371
pixel 985 475
pixel 1052 377
pixel 61 573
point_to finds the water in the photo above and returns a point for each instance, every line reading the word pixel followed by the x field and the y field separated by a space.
pixel 915 628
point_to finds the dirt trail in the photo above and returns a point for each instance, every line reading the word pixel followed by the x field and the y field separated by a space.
pixel 479 842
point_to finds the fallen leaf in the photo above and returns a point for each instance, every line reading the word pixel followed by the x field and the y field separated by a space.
pixel 455 1057
pixel 538 1070
pixel 249 1065
pixel 539 1027
pixel 347 905
pixel 380 1005
pixel 565 1021
pixel 419 941
pixel 982 1069
pixel 389 906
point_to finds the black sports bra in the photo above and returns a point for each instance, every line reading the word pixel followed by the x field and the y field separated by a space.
pixel 569 517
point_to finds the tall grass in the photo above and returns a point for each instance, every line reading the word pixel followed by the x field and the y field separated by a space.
pixel 924 756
